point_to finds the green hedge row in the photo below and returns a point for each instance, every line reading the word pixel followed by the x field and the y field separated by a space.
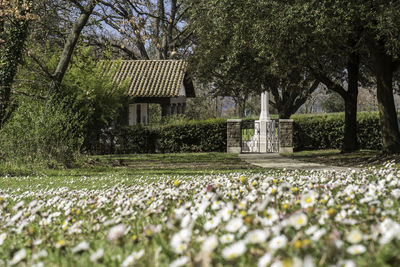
pixel 325 131
pixel 311 132
pixel 191 136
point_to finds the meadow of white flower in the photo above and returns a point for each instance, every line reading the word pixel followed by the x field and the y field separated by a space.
pixel 275 218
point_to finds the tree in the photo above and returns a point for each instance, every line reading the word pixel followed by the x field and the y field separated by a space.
pixel 302 34
pixel 14 20
pixel 228 54
pixel 143 29
pixel 333 103
pixel 71 41
pixel 371 28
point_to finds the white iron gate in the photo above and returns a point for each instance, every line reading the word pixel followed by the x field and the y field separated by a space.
pixel 272 137
pixel 250 137
pixel 257 140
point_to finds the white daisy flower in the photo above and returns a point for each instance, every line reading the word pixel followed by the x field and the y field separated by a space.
pixel 234 225
pixel 131 259
pixel 265 260
pixel 388 203
pixel 347 263
pixel 41 254
pixel 116 232
pixel 278 242
pixel 318 234
pixel 256 236
pixel 298 220
pixel 271 216
pixel 233 251
pixel 227 238
pixel 179 262
pixel 80 247
pixel 209 244
pixel 308 200
pixel 18 256
pixel 211 224
pixel 354 237
pixel 3 237
pixel 95 256
pixel 179 240
pixel 356 249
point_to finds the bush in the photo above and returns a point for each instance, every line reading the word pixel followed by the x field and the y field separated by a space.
pixel 132 139
pixel 181 136
pixel 326 131
pixel 311 132
pixel 41 135
pixel 192 136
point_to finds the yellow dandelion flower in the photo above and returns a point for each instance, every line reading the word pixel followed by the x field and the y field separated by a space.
pixel 297 244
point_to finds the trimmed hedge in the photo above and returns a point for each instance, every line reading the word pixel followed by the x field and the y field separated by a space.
pixel 191 136
pixel 311 132
pixel 325 131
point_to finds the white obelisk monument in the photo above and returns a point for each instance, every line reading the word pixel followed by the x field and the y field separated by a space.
pixel 264 120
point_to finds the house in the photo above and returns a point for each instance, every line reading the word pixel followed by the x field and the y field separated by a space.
pixel 164 82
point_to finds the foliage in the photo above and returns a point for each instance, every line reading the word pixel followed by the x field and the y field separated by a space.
pixel 233 54
pixel 91 94
pixel 193 136
pixel 14 19
pixel 41 135
pixel 127 139
pixel 326 131
pixel 333 103
pixel 178 136
pixel 89 104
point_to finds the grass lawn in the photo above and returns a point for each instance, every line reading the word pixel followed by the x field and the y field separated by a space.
pixel 333 157
pixel 199 210
pixel 144 164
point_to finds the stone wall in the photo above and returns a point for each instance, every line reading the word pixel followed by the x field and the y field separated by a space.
pixel 285 136
pixel 234 136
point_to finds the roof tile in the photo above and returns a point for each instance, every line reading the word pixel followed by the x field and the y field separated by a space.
pixel 150 78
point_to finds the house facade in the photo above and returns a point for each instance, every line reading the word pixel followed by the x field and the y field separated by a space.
pixel 163 82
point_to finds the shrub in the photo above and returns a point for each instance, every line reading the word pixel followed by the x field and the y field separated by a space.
pixel 192 136
pixel 311 132
pixel 180 136
pixel 326 131
pixel 40 134
pixel 134 139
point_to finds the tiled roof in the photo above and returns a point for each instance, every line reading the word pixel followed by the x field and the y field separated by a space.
pixel 150 78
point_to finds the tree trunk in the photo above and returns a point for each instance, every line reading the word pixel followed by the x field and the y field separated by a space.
pixel 10 56
pixel 387 111
pixel 240 107
pixel 69 46
pixel 350 142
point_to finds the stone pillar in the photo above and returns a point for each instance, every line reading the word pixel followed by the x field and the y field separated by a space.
pixel 286 136
pixel 234 136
